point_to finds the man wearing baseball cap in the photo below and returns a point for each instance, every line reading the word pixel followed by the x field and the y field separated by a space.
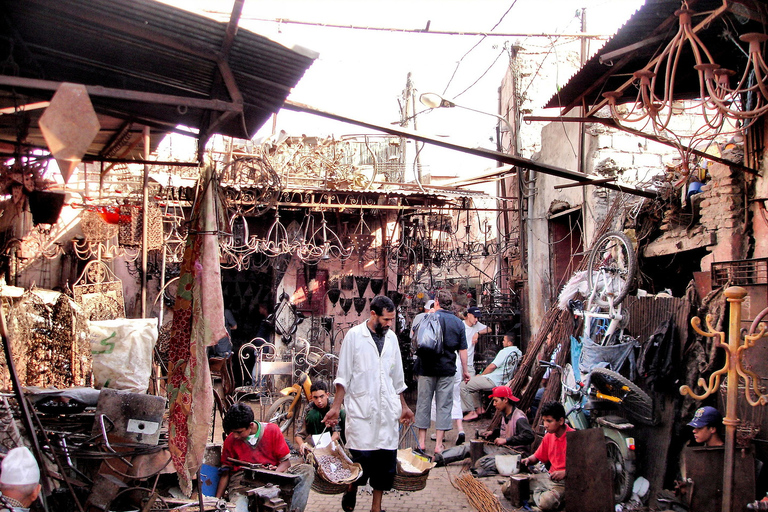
pixel 513 436
pixel 19 480
pixel 706 422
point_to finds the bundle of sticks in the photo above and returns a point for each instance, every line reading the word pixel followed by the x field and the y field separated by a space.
pixel 478 495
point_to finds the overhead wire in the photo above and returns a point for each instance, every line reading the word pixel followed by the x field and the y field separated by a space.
pixel 458 64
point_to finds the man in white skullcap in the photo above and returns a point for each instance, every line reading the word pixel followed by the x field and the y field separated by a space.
pixel 19 480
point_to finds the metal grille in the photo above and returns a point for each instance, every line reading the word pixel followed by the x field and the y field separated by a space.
pixel 740 272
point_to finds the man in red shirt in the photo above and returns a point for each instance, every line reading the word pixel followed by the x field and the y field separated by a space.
pixel 257 443
pixel 548 489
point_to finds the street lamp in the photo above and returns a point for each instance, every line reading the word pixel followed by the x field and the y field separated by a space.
pixel 434 100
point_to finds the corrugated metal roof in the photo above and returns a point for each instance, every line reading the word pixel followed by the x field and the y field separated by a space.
pixel 143 45
pixel 657 18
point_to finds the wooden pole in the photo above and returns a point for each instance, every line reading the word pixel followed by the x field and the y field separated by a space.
pixel 145 225
pixel 735 296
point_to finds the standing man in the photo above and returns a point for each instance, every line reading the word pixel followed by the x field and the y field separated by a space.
pixel 370 384
pixel 428 308
pixel 436 373
pixel 498 373
pixel 473 329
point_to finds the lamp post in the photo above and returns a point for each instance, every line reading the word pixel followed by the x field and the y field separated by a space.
pixel 434 100
pixel 734 371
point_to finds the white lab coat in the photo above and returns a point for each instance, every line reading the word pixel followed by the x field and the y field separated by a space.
pixel 372 386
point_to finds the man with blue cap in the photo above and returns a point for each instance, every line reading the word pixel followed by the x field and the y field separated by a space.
pixel 706 422
pixel 19 480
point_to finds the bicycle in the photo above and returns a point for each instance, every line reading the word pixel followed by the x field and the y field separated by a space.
pixel 611 271
pixel 586 402
pixel 290 406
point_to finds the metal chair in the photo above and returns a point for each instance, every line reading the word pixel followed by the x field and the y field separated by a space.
pixel 250 356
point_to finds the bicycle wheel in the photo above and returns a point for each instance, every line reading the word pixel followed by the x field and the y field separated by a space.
pixel 635 402
pixel 612 268
pixel 622 472
pixel 279 413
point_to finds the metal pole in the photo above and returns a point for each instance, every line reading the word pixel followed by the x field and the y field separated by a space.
pixel 145 225
pixel 735 296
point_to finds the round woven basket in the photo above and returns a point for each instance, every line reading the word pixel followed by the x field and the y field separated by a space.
pixel 410 482
pixel 323 486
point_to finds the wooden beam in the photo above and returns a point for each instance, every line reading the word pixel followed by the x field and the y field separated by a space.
pixel 594 182
pixel 124 94
pixel 609 56
pixel 608 121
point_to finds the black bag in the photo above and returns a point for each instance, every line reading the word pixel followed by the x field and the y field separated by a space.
pixel 430 336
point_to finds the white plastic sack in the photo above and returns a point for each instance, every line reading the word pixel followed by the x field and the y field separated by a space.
pixel 122 353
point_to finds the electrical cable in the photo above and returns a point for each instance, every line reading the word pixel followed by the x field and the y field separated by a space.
pixel 503 50
pixel 456 69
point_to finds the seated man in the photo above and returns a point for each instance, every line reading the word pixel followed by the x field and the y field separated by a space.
pixel 257 443
pixel 498 373
pixel 514 435
pixel 19 480
pixel 548 489
pixel 313 421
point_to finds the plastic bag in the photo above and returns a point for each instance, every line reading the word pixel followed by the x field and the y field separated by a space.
pixel 430 336
pixel 122 353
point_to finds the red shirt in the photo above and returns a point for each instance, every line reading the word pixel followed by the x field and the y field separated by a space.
pixel 270 449
pixel 552 450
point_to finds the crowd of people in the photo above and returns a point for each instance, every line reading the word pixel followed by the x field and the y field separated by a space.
pixel 368 408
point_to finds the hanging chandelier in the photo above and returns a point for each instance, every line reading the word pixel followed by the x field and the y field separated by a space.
pixel 656 101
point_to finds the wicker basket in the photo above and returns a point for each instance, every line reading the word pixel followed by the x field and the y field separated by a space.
pixel 323 486
pixel 410 482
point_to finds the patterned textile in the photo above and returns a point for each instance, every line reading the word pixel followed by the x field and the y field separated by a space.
pixel 198 321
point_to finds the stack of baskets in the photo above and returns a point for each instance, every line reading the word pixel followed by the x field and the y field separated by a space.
pixel 412 471
pixel 324 482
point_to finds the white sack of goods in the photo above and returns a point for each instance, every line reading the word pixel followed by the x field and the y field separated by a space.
pixel 122 353
pixel 412 464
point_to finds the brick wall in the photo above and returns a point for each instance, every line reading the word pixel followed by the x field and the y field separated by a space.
pixel 722 213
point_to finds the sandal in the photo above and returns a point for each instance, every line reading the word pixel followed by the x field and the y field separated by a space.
pixel 349 500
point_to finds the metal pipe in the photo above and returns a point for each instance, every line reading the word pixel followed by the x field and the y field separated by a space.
pixel 145 225
pixel 735 296
pixel 525 163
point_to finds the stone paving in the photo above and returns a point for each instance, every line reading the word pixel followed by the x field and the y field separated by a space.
pixel 438 496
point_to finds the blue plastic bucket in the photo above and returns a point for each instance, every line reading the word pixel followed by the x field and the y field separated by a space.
pixel 209 479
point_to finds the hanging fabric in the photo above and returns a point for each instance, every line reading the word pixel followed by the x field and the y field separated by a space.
pixel 198 322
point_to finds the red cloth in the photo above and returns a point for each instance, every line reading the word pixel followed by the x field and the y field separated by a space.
pixel 270 449
pixel 552 450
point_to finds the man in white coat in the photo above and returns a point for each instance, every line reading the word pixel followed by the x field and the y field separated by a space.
pixel 370 384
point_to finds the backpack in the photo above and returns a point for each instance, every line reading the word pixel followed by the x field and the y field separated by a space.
pixel 658 359
pixel 430 336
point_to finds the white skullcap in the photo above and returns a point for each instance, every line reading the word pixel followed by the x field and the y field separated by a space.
pixel 19 467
